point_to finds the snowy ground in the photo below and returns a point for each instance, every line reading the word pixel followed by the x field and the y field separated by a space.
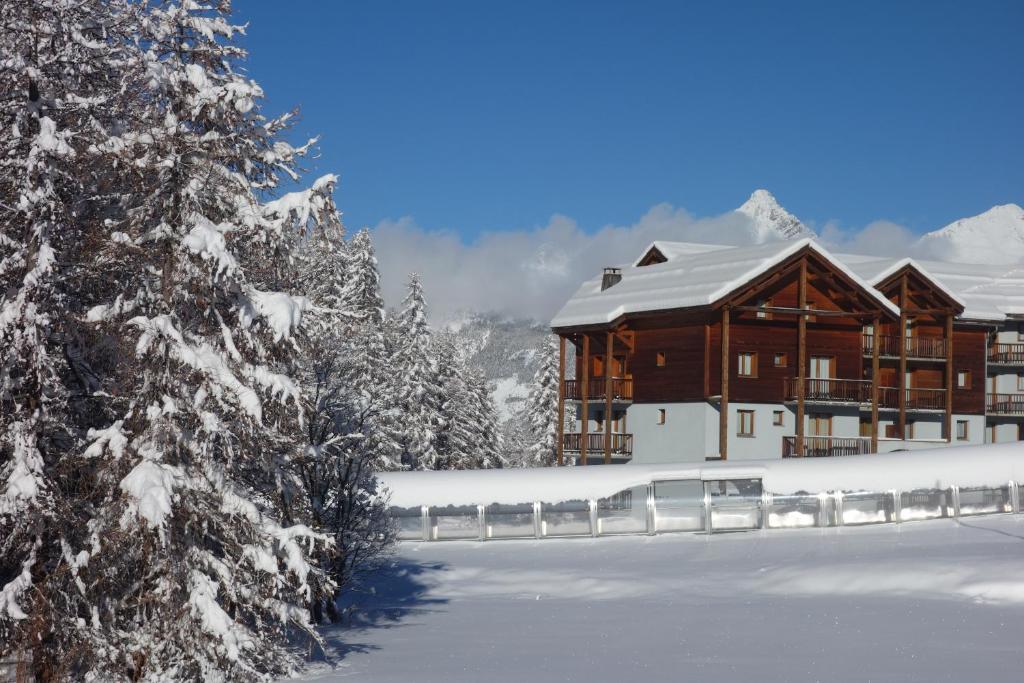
pixel 923 601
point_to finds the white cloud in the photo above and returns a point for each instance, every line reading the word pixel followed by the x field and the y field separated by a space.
pixel 532 272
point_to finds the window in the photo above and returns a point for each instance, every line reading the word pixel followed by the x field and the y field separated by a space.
pixel 890 432
pixel 778 418
pixel 781 360
pixel 1020 331
pixel 809 306
pixel 961 430
pixel 908 430
pixel 746 364
pixel 865 427
pixel 1020 382
pixel 746 422
pixel 661 416
pixel 963 379
pixel 660 359
pixel 764 303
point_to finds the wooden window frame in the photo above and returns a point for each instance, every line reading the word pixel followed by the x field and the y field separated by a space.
pixel 967 379
pixel 779 418
pixel 785 359
pixel 753 364
pixel 966 433
pixel 764 315
pixel 660 359
pixel 662 416
pixel 812 418
pixel 1020 382
pixel 809 306
pixel 741 415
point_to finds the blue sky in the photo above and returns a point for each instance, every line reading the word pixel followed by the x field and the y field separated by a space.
pixel 482 116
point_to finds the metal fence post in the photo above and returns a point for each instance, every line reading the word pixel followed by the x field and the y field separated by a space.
pixel 766 504
pixel 1015 497
pixel 839 508
pixel 955 492
pixel 821 519
pixel 482 522
pixel 897 506
pixel 652 521
pixel 536 519
pixel 707 507
pixel 425 520
pixel 593 518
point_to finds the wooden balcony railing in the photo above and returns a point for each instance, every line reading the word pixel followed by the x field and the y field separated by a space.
pixel 917 347
pixel 622 444
pixel 1005 404
pixel 830 390
pixel 826 446
pixel 622 389
pixel 1006 354
pixel 917 399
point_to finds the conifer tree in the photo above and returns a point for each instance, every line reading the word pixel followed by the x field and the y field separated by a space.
pixel 419 394
pixel 542 408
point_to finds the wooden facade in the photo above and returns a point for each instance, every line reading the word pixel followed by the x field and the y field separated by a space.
pixel 805 333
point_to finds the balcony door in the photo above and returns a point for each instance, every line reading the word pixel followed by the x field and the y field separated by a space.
pixel 819 424
pixel 822 367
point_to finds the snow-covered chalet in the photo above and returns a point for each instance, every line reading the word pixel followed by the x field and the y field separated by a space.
pixel 784 349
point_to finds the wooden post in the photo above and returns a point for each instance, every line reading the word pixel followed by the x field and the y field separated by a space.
pixel 950 379
pixel 801 356
pixel 901 424
pixel 561 400
pixel 584 402
pixel 608 398
pixel 723 405
pixel 875 346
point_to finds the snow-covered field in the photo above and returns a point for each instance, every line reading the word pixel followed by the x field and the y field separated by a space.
pixel 923 601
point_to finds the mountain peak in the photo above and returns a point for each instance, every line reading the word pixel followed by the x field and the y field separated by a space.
pixel 770 220
pixel 994 236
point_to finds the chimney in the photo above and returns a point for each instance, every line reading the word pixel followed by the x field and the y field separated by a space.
pixel 610 277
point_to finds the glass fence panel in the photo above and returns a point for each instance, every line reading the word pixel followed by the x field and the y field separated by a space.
pixel 679 505
pixel 925 504
pixel 509 521
pixel 454 522
pixel 735 504
pixel 410 523
pixel 570 518
pixel 867 508
pixel 985 501
pixel 795 511
pixel 623 513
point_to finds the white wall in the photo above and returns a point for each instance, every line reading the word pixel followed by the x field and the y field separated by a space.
pixel 683 438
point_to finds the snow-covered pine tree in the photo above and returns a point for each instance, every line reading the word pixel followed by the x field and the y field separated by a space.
pixel 488 437
pixel 341 408
pixel 419 395
pixel 542 408
pixel 62 68
pixel 198 563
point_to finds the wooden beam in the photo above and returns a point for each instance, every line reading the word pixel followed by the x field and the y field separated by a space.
pixel 902 383
pixel 801 356
pixel 784 310
pixel 584 402
pixel 608 398
pixel 707 360
pixel 561 400
pixel 875 353
pixel 950 381
pixel 723 406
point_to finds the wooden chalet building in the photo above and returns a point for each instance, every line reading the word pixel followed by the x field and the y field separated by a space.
pixel 784 350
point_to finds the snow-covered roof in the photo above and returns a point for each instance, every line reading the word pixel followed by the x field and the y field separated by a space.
pixel 690 278
pixel 699 274
pixel 993 464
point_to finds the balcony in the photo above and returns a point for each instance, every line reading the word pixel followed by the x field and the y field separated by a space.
pixel 858 392
pixel 918 348
pixel 622 389
pixel 917 399
pixel 826 446
pixel 853 391
pixel 1005 404
pixel 1006 354
pixel 622 445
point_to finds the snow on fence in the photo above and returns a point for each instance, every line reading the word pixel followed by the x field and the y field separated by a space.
pixel 707 497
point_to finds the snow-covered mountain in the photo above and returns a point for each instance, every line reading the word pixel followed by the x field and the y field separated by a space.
pixel 995 236
pixel 506 349
pixel 770 220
